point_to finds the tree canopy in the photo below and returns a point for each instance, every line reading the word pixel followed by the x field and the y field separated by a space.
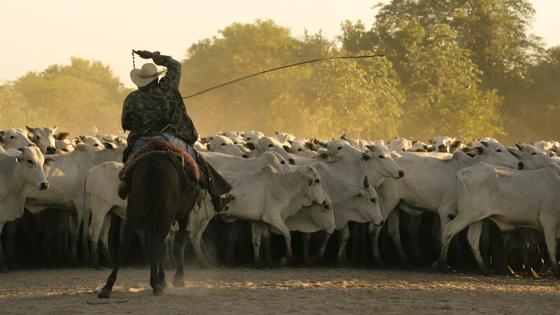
pixel 466 68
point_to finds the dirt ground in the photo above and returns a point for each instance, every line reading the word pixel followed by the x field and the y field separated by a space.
pixel 277 291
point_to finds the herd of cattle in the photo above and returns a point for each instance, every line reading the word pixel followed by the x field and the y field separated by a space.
pixel 396 202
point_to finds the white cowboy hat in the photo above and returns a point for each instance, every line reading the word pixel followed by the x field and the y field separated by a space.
pixel 148 73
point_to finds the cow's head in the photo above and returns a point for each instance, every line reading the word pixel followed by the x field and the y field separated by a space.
pixel 442 144
pixel 31 162
pixel 313 188
pixel 367 203
pixel 223 144
pixel 44 138
pixel 496 154
pixel 531 156
pixel 15 138
pixel 382 161
pixel 400 145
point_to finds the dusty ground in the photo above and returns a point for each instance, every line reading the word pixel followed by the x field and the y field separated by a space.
pixel 288 290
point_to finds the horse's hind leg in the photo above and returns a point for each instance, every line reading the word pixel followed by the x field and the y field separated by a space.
pixel 178 251
pixel 105 292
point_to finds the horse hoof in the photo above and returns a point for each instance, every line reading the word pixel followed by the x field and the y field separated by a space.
pixel 104 294
pixel 179 282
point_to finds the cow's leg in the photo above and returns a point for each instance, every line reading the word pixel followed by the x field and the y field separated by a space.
pixel 105 292
pixel 232 236
pixel 195 237
pixel 3 267
pixel 413 230
pixel 473 236
pixel 256 235
pixel 179 253
pixel 267 246
pixel 549 226
pixel 449 230
pixel 10 232
pixel 74 235
pixel 94 232
pixel 278 224
pixel 306 242
pixel 343 236
pixel 86 214
pixel 322 248
pixel 104 238
pixel 374 232
pixel 393 227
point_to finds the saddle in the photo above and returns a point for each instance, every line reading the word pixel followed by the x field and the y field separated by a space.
pixel 179 156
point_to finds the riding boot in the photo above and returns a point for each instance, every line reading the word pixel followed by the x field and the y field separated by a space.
pixel 215 184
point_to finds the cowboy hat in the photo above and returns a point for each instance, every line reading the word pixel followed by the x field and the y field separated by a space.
pixel 142 77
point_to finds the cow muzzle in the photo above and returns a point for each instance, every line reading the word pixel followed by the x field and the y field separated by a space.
pixel 520 165
pixel 51 150
pixel 44 186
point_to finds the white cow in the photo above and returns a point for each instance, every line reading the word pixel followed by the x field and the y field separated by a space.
pixel 400 145
pixel 272 197
pixel 67 178
pixel 17 173
pixel 101 197
pixel 44 138
pixel 14 138
pixel 62 143
pixel 223 144
pixel 510 198
pixel 444 144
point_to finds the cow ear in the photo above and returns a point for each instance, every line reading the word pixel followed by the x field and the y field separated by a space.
pixel 61 135
pixel 49 161
pixel 29 128
pixel 276 132
pixel 519 146
pixel 365 157
pixel 290 142
pixel 456 143
pixel 54 128
pixel 1 135
pixel 366 182
pixel 414 141
pixel 109 145
pixel 343 137
pixel 286 148
pixel 484 143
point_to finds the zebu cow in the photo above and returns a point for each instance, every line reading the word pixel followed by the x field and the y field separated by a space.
pixel 14 138
pixel 400 145
pixel 272 197
pixel 17 173
pixel 301 147
pixel 445 144
pixel 510 198
pixel 44 138
pixel 67 177
pixel 252 139
pixel 224 145
pixel 431 180
pixel 62 143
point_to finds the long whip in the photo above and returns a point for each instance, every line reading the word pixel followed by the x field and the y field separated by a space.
pixel 280 68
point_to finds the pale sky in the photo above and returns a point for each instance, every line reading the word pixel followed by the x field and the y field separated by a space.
pixel 38 33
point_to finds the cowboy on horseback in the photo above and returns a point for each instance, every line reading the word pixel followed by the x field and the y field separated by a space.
pixel 156 111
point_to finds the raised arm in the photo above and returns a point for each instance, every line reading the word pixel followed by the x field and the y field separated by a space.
pixel 173 75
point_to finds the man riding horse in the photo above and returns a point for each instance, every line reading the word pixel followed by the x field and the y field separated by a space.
pixel 156 111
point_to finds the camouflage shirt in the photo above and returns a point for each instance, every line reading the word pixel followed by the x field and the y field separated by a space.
pixel 158 107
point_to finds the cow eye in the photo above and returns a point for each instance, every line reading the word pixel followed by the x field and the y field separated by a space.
pixel 339 148
pixel 534 153
pixel 299 150
pixel 96 145
pixel 373 200
pixel 12 137
pixel 29 162
pixel 235 143
pixel 38 137
pixel 270 145
pixel 381 157
pixel 248 139
pixel 499 150
pixel 223 144
pixel 317 181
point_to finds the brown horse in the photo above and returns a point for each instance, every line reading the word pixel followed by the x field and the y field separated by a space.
pixel 159 195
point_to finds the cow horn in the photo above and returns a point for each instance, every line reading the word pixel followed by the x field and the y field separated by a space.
pixel 519 146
